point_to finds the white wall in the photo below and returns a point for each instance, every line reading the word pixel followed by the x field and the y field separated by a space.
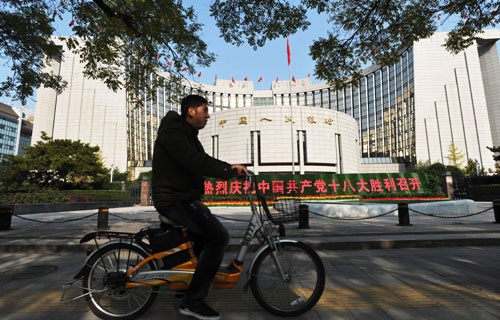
pixel 460 118
pixel 232 129
pixel 86 110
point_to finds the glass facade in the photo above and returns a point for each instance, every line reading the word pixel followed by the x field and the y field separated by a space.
pixel 25 136
pixel 8 134
pixel 382 103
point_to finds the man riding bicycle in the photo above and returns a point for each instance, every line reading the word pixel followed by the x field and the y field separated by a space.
pixel 179 167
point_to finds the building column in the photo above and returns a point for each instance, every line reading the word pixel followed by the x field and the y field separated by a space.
pixel 301 139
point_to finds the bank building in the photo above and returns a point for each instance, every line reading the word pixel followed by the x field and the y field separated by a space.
pixel 397 116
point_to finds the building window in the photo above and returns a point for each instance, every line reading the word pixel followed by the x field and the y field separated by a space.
pixel 263 101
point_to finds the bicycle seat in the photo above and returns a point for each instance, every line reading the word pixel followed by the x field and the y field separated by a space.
pixel 170 222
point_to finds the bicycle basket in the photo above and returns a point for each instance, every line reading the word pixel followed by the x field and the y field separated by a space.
pixel 280 209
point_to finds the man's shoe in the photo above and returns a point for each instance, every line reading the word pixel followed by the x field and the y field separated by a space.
pixel 201 312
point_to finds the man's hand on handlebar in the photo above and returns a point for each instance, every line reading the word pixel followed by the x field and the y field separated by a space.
pixel 239 170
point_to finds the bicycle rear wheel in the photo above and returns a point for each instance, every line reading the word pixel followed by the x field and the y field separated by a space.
pixel 304 283
pixel 104 282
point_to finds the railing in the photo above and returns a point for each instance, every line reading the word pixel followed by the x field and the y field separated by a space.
pixel 403 210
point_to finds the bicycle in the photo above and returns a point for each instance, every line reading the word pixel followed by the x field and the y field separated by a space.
pixel 121 278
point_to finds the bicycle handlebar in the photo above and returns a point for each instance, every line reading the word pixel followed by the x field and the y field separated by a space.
pixel 251 178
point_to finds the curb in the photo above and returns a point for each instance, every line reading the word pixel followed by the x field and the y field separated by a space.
pixel 399 244
pixel 232 247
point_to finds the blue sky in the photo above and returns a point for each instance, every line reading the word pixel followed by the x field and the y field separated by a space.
pixel 269 61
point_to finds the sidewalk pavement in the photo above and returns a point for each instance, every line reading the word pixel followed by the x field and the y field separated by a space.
pixel 61 231
pixel 442 282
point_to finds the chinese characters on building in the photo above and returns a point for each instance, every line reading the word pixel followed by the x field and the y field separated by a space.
pixel 288 118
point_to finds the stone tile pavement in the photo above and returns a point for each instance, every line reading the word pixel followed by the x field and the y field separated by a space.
pixel 433 269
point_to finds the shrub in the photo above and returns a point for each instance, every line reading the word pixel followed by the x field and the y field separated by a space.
pixel 52 196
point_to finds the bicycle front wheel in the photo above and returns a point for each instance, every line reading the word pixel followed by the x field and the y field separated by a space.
pixel 104 283
pixel 300 288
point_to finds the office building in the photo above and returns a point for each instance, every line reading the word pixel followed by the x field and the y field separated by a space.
pixel 413 111
pixel 15 131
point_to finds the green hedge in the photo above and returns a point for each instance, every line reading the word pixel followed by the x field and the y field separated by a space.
pixel 484 192
pixel 484 180
pixel 64 196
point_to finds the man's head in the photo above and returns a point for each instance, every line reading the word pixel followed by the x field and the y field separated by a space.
pixel 194 109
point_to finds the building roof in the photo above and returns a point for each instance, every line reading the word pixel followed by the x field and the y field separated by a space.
pixel 8 111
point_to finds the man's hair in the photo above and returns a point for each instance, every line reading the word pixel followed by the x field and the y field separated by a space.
pixel 192 100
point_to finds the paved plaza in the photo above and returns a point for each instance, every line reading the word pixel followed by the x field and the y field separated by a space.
pixel 434 269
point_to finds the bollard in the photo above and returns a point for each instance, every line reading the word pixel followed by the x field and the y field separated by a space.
pixel 403 214
pixel 102 218
pixel 496 210
pixel 6 217
pixel 303 216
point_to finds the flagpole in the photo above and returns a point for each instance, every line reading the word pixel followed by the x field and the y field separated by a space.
pixel 291 109
pixel 291 120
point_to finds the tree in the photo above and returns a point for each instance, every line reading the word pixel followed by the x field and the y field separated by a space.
pixel 361 30
pixel 14 171
pixel 474 169
pixel 496 157
pixel 55 163
pixel 454 156
pixel 496 152
pixel 122 42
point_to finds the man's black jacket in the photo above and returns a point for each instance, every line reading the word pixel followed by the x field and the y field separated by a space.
pixel 180 163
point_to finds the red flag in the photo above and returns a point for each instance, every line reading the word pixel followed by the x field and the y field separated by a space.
pixel 260 79
pixel 170 63
pixel 232 79
pixel 199 74
pixel 288 50
pixel 308 75
pixel 246 79
pixel 439 16
pixel 184 68
pixel 293 79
